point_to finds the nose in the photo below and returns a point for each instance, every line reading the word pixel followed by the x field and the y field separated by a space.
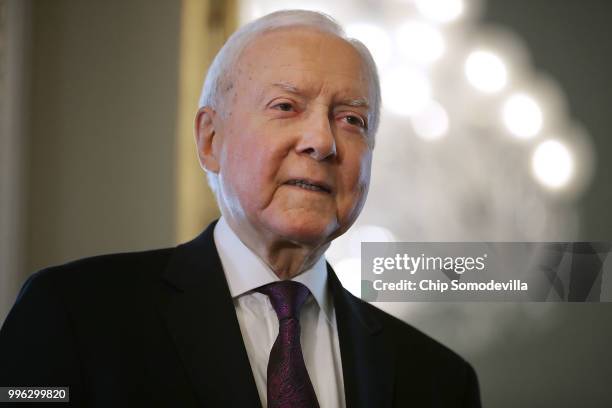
pixel 317 137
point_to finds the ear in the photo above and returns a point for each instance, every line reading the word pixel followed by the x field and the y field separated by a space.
pixel 206 139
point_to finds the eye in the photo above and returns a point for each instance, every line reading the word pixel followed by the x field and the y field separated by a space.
pixel 355 121
pixel 283 106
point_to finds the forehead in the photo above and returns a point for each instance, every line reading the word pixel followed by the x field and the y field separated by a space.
pixel 310 58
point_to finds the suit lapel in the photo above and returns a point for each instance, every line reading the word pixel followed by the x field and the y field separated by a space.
pixel 198 310
pixel 367 360
pixel 196 306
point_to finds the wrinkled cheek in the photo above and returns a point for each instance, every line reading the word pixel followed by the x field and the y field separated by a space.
pixel 236 189
pixel 230 195
pixel 254 191
pixel 357 197
pixel 365 171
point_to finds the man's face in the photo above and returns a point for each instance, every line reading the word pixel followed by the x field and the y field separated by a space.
pixel 293 149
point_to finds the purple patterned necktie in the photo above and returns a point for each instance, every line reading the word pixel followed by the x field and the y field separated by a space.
pixel 289 385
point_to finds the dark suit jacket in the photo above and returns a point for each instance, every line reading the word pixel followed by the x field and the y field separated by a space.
pixel 159 328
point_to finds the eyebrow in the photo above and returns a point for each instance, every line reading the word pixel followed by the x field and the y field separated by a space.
pixel 357 103
pixel 354 102
pixel 286 86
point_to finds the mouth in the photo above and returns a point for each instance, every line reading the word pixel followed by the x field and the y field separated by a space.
pixel 310 185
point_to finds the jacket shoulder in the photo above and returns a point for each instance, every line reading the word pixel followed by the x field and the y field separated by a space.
pixel 118 267
pixel 63 311
pixel 98 279
pixel 405 335
pixel 427 362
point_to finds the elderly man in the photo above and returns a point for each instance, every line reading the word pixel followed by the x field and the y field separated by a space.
pixel 248 314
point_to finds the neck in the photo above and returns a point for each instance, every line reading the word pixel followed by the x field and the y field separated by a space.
pixel 287 259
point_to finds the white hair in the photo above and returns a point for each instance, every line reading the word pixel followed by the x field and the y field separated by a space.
pixel 219 77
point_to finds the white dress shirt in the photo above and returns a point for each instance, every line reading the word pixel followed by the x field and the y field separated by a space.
pixel 244 272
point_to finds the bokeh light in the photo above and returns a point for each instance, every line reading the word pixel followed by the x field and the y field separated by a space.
pixel 375 38
pixel 420 42
pixel 522 116
pixel 432 123
pixel 443 11
pixel 552 164
pixel 406 91
pixel 486 71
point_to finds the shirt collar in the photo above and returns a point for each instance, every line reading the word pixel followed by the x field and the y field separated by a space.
pixel 245 271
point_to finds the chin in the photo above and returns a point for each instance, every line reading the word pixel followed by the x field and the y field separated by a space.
pixel 313 230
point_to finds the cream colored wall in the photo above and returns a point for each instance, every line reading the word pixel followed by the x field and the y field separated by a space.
pixel 106 146
pixel 14 29
pixel 102 140
pixel 204 27
pixel 115 88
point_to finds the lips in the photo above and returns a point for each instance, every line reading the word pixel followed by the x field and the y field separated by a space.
pixel 311 185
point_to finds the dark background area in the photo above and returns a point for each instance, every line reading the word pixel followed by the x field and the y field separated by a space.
pixel 569 363
pixel 572 41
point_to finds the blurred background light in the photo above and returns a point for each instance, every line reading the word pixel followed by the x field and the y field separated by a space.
pixel 552 164
pixel 522 116
pixel 253 9
pixel 348 271
pixel 406 91
pixel 375 38
pixel 443 11
pixel 420 42
pixel 367 233
pixel 431 123
pixel 486 71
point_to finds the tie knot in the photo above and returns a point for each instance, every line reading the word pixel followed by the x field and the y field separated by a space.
pixel 287 297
